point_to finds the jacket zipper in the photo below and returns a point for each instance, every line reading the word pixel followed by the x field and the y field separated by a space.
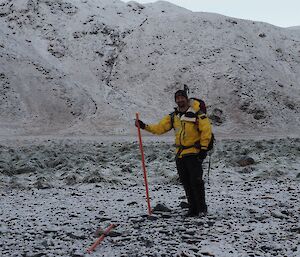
pixel 182 131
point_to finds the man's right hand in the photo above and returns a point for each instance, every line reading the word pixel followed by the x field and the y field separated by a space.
pixel 139 123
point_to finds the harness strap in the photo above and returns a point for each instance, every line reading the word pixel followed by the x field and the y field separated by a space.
pixel 183 147
pixel 174 113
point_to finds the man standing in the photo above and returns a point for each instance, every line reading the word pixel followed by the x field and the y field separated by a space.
pixel 193 133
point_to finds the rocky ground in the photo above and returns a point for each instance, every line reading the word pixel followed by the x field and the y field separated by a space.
pixel 58 195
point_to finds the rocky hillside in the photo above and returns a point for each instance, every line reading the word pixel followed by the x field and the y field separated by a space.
pixel 86 66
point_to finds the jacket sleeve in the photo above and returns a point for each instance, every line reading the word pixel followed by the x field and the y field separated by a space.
pixel 160 128
pixel 205 131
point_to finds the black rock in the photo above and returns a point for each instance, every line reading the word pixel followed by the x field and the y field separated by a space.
pixel 152 217
pixel 71 180
pixel 131 203
pixel 112 233
pixel 45 244
pixel 295 230
pixel 37 255
pixel 161 208
pixel 184 205
pixel 166 216
pixel 48 231
pixel 102 219
pixel 73 236
pixel 76 254
pixel 210 223
pixel 24 170
pixel 245 161
pixel 41 184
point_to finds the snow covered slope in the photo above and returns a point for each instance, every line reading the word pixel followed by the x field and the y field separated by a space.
pixel 86 67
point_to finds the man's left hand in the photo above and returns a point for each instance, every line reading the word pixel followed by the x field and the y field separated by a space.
pixel 202 154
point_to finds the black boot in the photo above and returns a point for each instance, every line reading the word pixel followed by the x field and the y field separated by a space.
pixel 192 213
pixel 203 211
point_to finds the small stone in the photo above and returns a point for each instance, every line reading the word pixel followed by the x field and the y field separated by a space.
pixel 71 180
pixel 137 219
pixel 261 218
pixel 76 236
pixel 102 219
pixel 190 232
pixel 184 205
pixel 200 223
pixel 41 184
pixel 152 217
pixel 245 161
pixel 112 233
pixel 76 254
pixel 161 208
pixel 48 231
pixel 262 35
pixel 210 223
pixel 207 254
pixel 131 203
pixel 217 117
pixel 24 170
pixel 45 244
pixel 95 177
pixel 166 216
pixel 279 215
pixel 38 255
pixel 295 230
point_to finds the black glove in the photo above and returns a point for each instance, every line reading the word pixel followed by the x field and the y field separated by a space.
pixel 202 154
pixel 142 124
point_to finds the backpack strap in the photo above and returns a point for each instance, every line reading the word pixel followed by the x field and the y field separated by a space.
pixel 172 115
pixel 183 147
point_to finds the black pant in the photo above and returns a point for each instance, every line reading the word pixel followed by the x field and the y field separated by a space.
pixel 190 174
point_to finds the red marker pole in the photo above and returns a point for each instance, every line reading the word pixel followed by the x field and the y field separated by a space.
pixel 143 164
pixel 100 239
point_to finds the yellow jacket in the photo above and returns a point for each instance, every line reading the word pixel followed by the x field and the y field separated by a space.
pixel 191 128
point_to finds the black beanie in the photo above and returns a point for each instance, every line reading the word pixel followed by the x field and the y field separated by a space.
pixel 181 93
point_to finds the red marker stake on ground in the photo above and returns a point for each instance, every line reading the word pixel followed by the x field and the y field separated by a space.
pixel 100 239
pixel 144 166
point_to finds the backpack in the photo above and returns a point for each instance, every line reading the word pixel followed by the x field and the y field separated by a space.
pixel 202 104
pixel 203 109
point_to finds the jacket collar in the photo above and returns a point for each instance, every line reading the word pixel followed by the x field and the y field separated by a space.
pixel 190 115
